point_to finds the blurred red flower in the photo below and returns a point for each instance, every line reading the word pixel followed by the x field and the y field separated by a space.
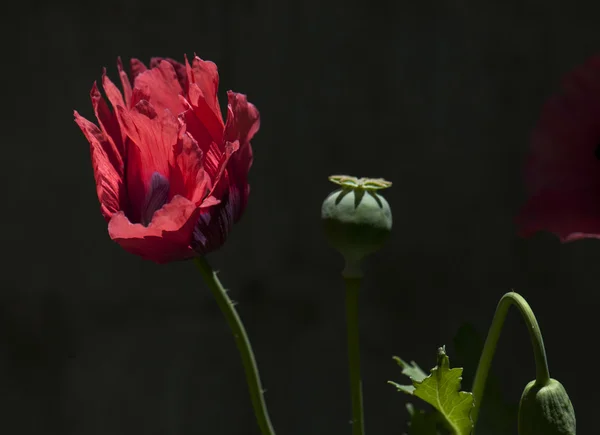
pixel 171 176
pixel 563 167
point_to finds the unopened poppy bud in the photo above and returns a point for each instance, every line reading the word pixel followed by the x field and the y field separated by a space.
pixel 546 410
pixel 357 220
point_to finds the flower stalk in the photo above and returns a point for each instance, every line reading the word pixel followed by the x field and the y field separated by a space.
pixel 352 291
pixel 489 348
pixel 243 344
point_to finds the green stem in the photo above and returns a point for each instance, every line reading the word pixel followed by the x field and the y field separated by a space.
pixel 485 362
pixel 352 289
pixel 243 345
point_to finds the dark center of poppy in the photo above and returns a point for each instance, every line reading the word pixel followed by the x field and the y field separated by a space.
pixel 597 151
pixel 157 196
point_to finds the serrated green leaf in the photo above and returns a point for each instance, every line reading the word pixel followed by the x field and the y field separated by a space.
pixel 412 370
pixel 441 389
pixel 408 389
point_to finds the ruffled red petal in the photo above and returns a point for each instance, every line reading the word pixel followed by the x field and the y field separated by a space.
pixel 136 67
pixel 151 138
pixel 212 151
pixel 243 121
pixel 110 128
pixel 203 79
pixel 187 175
pixel 127 90
pixel 222 179
pixel 563 172
pixel 215 224
pixel 161 88
pixel 179 68
pixel 116 100
pixel 571 215
pixel 109 184
pixel 167 237
pixel 205 75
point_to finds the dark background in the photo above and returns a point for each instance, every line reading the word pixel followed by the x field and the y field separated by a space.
pixel 437 97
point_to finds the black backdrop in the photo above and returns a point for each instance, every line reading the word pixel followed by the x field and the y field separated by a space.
pixel 438 98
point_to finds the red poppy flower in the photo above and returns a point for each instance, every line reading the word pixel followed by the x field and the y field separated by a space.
pixel 563 166
pixel 171 176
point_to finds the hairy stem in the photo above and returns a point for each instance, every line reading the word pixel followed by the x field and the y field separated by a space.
pixel 485 362
pixel 243 344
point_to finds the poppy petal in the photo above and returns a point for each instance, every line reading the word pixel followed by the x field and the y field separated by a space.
pixel 205 75
pixel 562 171
pixel 109 184
pixel 243 118
pixel 571 215
pixel 136 67
pixel 187 174
pixel 179 68
pixel 221 180
pixel 115 97
pixel 157 196
pixel 203 79
pixel 151 138
pixel 166 238
pixel 243 121
pixel 110 128
pixel 215 223
pixel 212 151
pixel 161 87
pixel 125 83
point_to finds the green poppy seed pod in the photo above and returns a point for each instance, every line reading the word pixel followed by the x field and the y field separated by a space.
pixel 357 220
pixel 546 410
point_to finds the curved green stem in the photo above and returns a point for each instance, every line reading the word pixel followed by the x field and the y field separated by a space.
pixel 243 345
pixel 485 362
pixel 352 290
